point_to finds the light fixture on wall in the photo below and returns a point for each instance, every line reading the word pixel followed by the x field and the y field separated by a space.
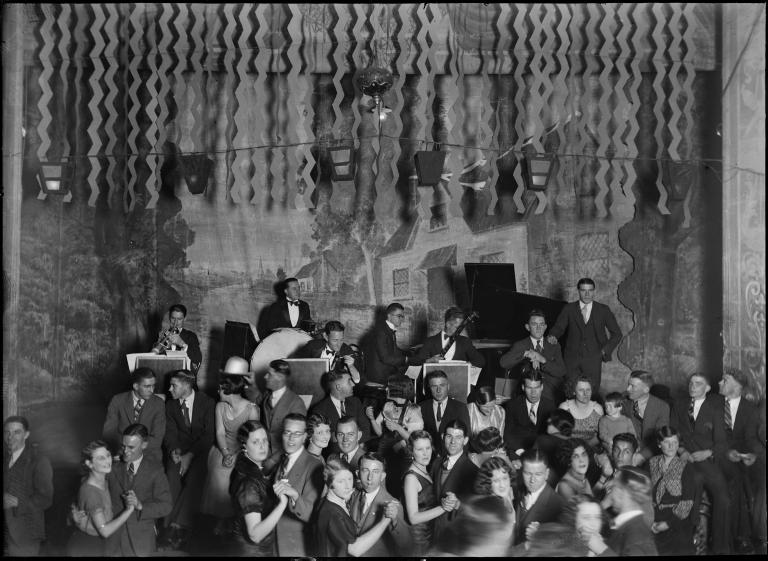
pixel 343 162
pixel 197 170
pixel 375 82
pixel 55 178
pixel 537 169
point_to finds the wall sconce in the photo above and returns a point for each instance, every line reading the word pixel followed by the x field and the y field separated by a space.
pixel 343 160
pixel 537 169
pixel 429 166
pixel 55 177
pixel 196 169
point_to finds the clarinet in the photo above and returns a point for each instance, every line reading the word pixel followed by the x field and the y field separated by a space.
pixel 452 338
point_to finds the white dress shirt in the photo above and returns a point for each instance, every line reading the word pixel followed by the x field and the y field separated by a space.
pixel 276 395
pixel 586 310
pixel 444 404
pixel 189 400
pixel 530 498
pixel 293 313
pixel 292 460
pixel 15 456
pixel 452 350
pixel 696 407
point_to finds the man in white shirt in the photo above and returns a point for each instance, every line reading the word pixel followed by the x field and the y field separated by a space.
pixel 585 324
pixel 348 437
pixel 366 506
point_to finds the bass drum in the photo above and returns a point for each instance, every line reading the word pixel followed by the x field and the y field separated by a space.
pixel 280 344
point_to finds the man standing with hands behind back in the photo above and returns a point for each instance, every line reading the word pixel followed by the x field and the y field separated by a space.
pixel 585 324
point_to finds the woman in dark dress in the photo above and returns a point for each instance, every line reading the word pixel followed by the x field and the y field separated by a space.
pixel 257 510
pixel 672 494
pixel 335 531
pixel 98 530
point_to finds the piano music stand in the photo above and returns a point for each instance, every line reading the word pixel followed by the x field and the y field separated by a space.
pixel 161 365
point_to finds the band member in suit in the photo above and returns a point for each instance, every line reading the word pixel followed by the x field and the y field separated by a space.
pixel 176 338
pixel 440 410
pixel 333 347
pixel 699 420
pixel 461 349
pixel 279 401
pixel 189 434
pixel 542 355
pixel 140 405
pixel 340 403
pixel 384 358
pixel 348 441
pixel 453 474
pixel 367 505
pixel 526 415
pixel 585 324
pixel 538 503
pixel 27 490
pixel 740 462
pixel 299 475
pixel 289 311
pixel 143 483
pixel 648 413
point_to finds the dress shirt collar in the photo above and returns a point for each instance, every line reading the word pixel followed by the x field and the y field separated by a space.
pixel 453 459
pixel 622 518
pixel 391 325
pixel 533 342
pixel 369 498
pixel 531 498
pixel 136 464
pixel 337 404
pixel 292 457
pixel 444 404
pixel 583 306
pixel 136 398
pixel 351 454
pixel 16 454
pixel 335 499
pixel 734 403
pixel 535 406
pixel 277 394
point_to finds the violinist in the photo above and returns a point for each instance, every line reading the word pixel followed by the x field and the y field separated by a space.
pixel 176 338
pixel 449 344
pixel 344 357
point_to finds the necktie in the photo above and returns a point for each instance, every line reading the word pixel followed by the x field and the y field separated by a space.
pixel 185 413
pixel 131 473
pixel 137 410
pixel 690 411
pixel 439 411
pixel 343 409
pixel 584 313
pixel 728 417
pixel 445 472
pixel 636 410
pixel 345 457
pixel 361 507
pixel 538 346
pixel 283 467
pixel 532 415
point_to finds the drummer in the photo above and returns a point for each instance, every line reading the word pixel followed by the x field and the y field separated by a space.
pixel 332 346
pixel 287 311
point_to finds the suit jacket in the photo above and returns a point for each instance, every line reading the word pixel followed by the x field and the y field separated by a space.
pixel 655 416
pixel 454 409
pixel 553 371
pixel 744 436
pixel 547 508
pixel 460 481
pixel 519 431
pixel 272 418
pixel 277 316
pixel 154 494
pixel 352 406
pixel 465 350
pixel 200 435
pixel 193 347
pixel 601 319
pixel 384 358
pixel 152 416
pixel 633 538
pixel 707 432
pixel 315 348
pixel 354 461
pixel 293 532
pixel 396 541
pixel 30 480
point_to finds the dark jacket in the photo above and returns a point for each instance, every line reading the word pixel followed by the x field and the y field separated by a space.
pixel 547 508
pixel 578 335
pixel 465 350
pixel 199 436
pixel 277 316
pixel 454 409
pixel 353 408
pixel 383 358
pixel 30 480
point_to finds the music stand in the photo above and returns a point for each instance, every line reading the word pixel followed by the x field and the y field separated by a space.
pixel 160 365
pixel 305 379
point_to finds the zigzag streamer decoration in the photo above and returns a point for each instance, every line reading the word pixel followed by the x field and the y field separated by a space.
pixel 129 197
pixel 632 125
pixel 419 129
pixel 73 132
pixel 621 120
pixel 688 109
pixel 357 58
pixel 579 85
pixel 562 103
pixel 97 97
pixel 520 62
pixel 658 107
pixel 306 116
pixel 277 165
pixel 395 126
pixel 502 47
pixel 112 53
pixel 260 97
pixel 536 100
pixel 607 108
pixel 61 105
pixel 151 133
pixel 674 96
pixel 340 45
pixel 294 105
pixel 166 63
pixel 44 81
pixel 240 185
pixel 455 100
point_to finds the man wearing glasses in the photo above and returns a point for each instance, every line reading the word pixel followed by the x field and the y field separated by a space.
pixel 384 358
pixel 299 475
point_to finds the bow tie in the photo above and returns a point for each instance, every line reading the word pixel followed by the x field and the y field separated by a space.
pixel 293 302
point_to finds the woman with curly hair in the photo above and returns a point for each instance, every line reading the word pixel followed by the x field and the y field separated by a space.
pixel 488 443
pixel 574 457
pixel 496 478
pixel 673 490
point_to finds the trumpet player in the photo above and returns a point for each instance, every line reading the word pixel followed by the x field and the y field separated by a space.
pixel 343 357
pixel 176 338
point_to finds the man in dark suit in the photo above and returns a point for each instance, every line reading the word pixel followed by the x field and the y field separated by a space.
pixel 699 421
pixel 286 312
pixel 176 338
pixel 539 503
pixel 585 324
pixel 383 357
pixel 461 349
pixel 141 481
pixel 299 475
pixel 27 490
pixel 367 504
pixel 740 464
pixel 648 414
pixel 526 415
pixel 348 441
pixel 340 402
pixel 440 410
pixel 542 355
pixel 333 347
pixel 140 405
pixel 453 473
pixel 189 435
pixel 278 402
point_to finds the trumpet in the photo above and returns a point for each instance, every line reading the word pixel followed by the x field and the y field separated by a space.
pixel 164 341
